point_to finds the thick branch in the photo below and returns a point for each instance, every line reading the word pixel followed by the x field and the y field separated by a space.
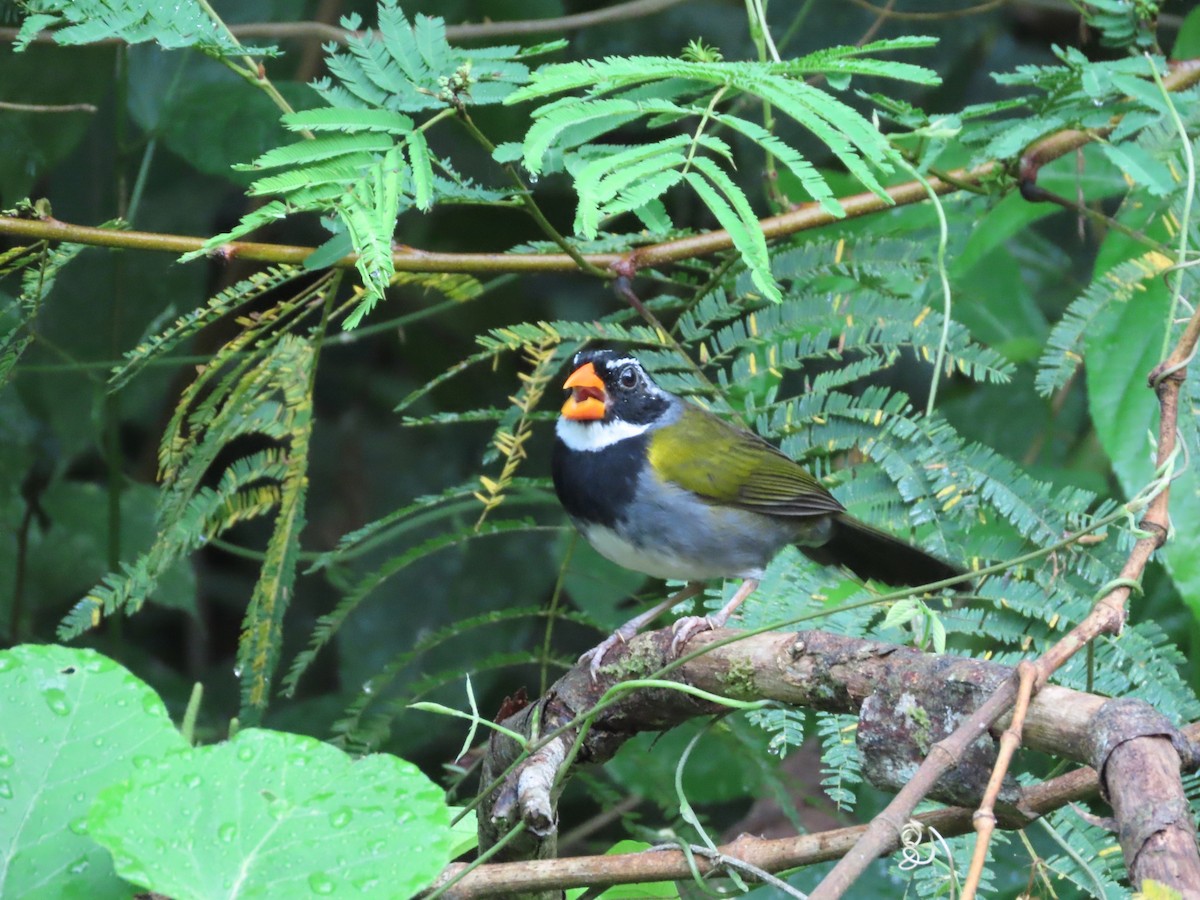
pixel 776 855
pixel 811 669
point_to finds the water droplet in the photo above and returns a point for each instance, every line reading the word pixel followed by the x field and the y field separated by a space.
pixel 7 661
pixel 368 688
pixel 56 699
pixel 533 178
pixel 6 759
pixel 80 797
pixel 321 883
pixel 367 883
pixel 79 866
pixel 6 790
pixel 227 832
pixel 245 754
pixel 99 742
pixel 79 826
pixel 278 807
pixel 193 780
pixel 341 817
pixel 129 867
pixel 237 671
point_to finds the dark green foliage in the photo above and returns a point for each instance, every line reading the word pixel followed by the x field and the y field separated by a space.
pixel 976 389
pixel 171 25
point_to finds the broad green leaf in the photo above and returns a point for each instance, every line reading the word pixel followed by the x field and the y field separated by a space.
pixel 1187 41
pixel 597 587
pixel 72 722
pixel 79 531
pixel 1096 180
pixel 270 814
pixel 1120 350
pixel 643 891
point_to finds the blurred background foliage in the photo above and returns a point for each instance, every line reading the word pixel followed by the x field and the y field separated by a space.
pixel 156 146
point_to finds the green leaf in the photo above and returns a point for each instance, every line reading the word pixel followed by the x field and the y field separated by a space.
pixel 1141 167
pixel 1187 41
pixel 324 148
pixel 583 121
pixel 275 814
pixel 657 890
pixel 72 722
pixel 739 220
pixel 422 170
pixel 185 23
pixel 1120 349
pixel 348 120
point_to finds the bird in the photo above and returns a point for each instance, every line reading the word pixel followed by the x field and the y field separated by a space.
pixel 664 487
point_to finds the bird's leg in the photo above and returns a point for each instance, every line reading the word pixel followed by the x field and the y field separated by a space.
pixel 688 626
pixel 595 656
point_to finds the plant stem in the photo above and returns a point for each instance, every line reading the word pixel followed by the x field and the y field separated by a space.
pixel 530 204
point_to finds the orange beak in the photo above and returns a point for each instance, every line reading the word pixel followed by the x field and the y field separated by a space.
pixel 587 400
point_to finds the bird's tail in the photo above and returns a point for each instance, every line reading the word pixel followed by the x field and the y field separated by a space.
pixel 870 553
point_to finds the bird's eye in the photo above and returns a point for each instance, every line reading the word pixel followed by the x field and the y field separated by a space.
pixel 628 377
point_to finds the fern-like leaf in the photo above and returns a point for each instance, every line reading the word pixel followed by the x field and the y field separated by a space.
pixel 171 25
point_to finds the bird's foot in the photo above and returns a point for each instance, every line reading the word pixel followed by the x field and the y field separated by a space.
pixel 688 627
pixel 595 657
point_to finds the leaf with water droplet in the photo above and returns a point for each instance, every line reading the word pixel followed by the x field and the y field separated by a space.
pixel 60 749
pixel 279 814
pixel 321 883
pixel 56 699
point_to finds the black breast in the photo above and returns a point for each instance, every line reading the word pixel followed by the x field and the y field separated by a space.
pixel 596 485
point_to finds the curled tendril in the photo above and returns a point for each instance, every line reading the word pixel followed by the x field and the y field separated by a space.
pixel 912 837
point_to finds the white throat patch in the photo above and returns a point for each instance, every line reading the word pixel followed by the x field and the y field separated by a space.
pixel 595 435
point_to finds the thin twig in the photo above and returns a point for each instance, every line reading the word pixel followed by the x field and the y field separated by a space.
pixel 44 108
pixel 984 818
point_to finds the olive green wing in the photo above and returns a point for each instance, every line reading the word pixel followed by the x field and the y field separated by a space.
pixel 720 462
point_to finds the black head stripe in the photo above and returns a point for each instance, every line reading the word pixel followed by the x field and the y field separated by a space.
pixel 639 403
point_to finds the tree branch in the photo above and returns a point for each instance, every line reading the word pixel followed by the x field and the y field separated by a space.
pixel 410 259
pixel 817 670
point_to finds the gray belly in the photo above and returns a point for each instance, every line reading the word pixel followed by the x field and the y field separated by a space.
pixel 670 533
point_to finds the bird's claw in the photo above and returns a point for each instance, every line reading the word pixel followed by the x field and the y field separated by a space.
pixel 688 627
pixel 595 657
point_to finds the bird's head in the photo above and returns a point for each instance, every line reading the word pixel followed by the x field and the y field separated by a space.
pixel 609 386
